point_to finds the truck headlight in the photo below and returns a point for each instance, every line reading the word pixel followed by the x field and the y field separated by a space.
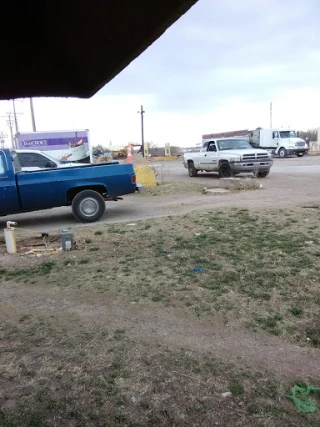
pixel 234 159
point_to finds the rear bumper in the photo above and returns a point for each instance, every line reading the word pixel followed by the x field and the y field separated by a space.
pixel 262 165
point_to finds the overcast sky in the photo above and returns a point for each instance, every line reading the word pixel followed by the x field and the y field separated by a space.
pixel 216 69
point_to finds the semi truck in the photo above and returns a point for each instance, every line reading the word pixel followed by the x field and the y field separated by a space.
pixel 278 141
pixel 71 145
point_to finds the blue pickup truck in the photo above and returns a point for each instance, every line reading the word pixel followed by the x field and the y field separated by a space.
pixel 85 188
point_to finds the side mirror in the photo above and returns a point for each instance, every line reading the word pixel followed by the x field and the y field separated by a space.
pixel 50 165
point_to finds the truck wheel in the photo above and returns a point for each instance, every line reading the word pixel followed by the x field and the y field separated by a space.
pixel 263 174
pixel 282 153
pixel 192 170
pixel 225 170
pixel 88 206
pixel 300 154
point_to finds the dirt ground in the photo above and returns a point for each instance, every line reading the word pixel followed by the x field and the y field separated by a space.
pixel 149 323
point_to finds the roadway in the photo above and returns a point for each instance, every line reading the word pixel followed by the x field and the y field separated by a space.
pixel 292 182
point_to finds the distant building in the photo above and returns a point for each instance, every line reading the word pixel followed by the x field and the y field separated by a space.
pixel 243 132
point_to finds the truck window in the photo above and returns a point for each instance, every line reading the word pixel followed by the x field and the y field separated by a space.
pixel 212 147
pixel 33 160
pixel 204 146
pixel 288 134
pixel 233 144
pixel 2 169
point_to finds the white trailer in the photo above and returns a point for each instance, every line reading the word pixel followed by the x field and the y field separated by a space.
pixel 282 142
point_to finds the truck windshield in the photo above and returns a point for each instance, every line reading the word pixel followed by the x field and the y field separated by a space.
pixel 287 134
pixel 233 144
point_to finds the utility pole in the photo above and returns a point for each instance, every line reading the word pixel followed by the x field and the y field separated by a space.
pixel 12 121
pixel 270 114
pixel 15 117
pixel 141 112
pixel 2 139
pixel 10 124
pixel 32 116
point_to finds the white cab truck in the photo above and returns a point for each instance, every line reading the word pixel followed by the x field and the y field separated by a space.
pixel 32 160
pixel 281 142
pixel 228 157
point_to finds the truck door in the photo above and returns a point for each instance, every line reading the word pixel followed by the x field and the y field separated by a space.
pixel 208 160
pixel 275 139
pixel 6 200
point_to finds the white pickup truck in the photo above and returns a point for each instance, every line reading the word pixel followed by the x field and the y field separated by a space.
pixel 228 157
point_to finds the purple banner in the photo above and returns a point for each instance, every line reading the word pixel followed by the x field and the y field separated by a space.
pixel 50 142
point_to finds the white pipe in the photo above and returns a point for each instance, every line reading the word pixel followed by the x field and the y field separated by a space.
pixel 10 238
pixel 9 223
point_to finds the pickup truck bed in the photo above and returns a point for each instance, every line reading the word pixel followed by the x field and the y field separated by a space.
pixel 86 188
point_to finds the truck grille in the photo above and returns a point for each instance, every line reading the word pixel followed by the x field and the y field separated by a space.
pixel 254 156
pixel 300 144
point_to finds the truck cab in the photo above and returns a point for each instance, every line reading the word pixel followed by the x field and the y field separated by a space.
pixel 32 160
pixel 281 142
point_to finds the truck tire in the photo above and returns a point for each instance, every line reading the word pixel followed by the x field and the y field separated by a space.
pixel 282 153
pixel 300 154
pixel 88 206
pixel 192 170
pixel 225 170
pixel 263 174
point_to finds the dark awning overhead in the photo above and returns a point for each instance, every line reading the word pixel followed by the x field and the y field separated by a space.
pixel 74 47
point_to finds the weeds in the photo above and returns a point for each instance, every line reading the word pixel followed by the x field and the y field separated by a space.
pixel 236 387
pixel 25 274
pixel 296 311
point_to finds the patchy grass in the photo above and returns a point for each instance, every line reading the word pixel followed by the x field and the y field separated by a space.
pixel 86 365
pixel 254 268
pixel 169 188
pixel 57 373
pixel 26 274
